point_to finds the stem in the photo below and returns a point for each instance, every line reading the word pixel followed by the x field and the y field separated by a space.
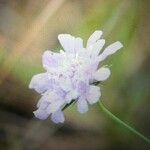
pixel 116 119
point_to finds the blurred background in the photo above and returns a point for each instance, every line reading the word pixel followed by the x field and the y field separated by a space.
pixel 28 28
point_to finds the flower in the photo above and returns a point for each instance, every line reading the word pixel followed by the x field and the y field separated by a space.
pixel 71 74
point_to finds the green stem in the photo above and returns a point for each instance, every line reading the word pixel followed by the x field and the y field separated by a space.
pixel 116 119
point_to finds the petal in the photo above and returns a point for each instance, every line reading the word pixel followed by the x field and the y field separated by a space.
pixel 40 83
pixel 61 93
pixel 82 87
pixel 70 43
pixel 65 84
pixel 94 37
pixel 78 44
pixel 71 95
pixel 102 74
pixel 58 117
pixel 94 94
pixel 82 105
pixel 42 104
pixel 96 48
pixel 54 106
pixel 50 96
pixel 51 60
pixel 67 41
pixel 111 49
pixel 47 98
pixel 41 114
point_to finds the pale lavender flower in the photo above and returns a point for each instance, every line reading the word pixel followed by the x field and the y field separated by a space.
pixel 71 74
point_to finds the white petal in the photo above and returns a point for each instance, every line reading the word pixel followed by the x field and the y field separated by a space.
pixel 65 84
pixel 41 114
pixel 71 95
pixel 49 96
pixel 42 104
pixel 83 53
pixel 94 37
pixel 96 48
pixel 51 60
pixel 94 94
pixel 58 117
pixel 102 74
pixel 40 82
pixel 82 105
pixel 54 106
pixel 67 41
pixel 111 49
pixel 78 44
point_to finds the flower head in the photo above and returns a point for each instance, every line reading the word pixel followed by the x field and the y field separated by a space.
pixel 71 74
